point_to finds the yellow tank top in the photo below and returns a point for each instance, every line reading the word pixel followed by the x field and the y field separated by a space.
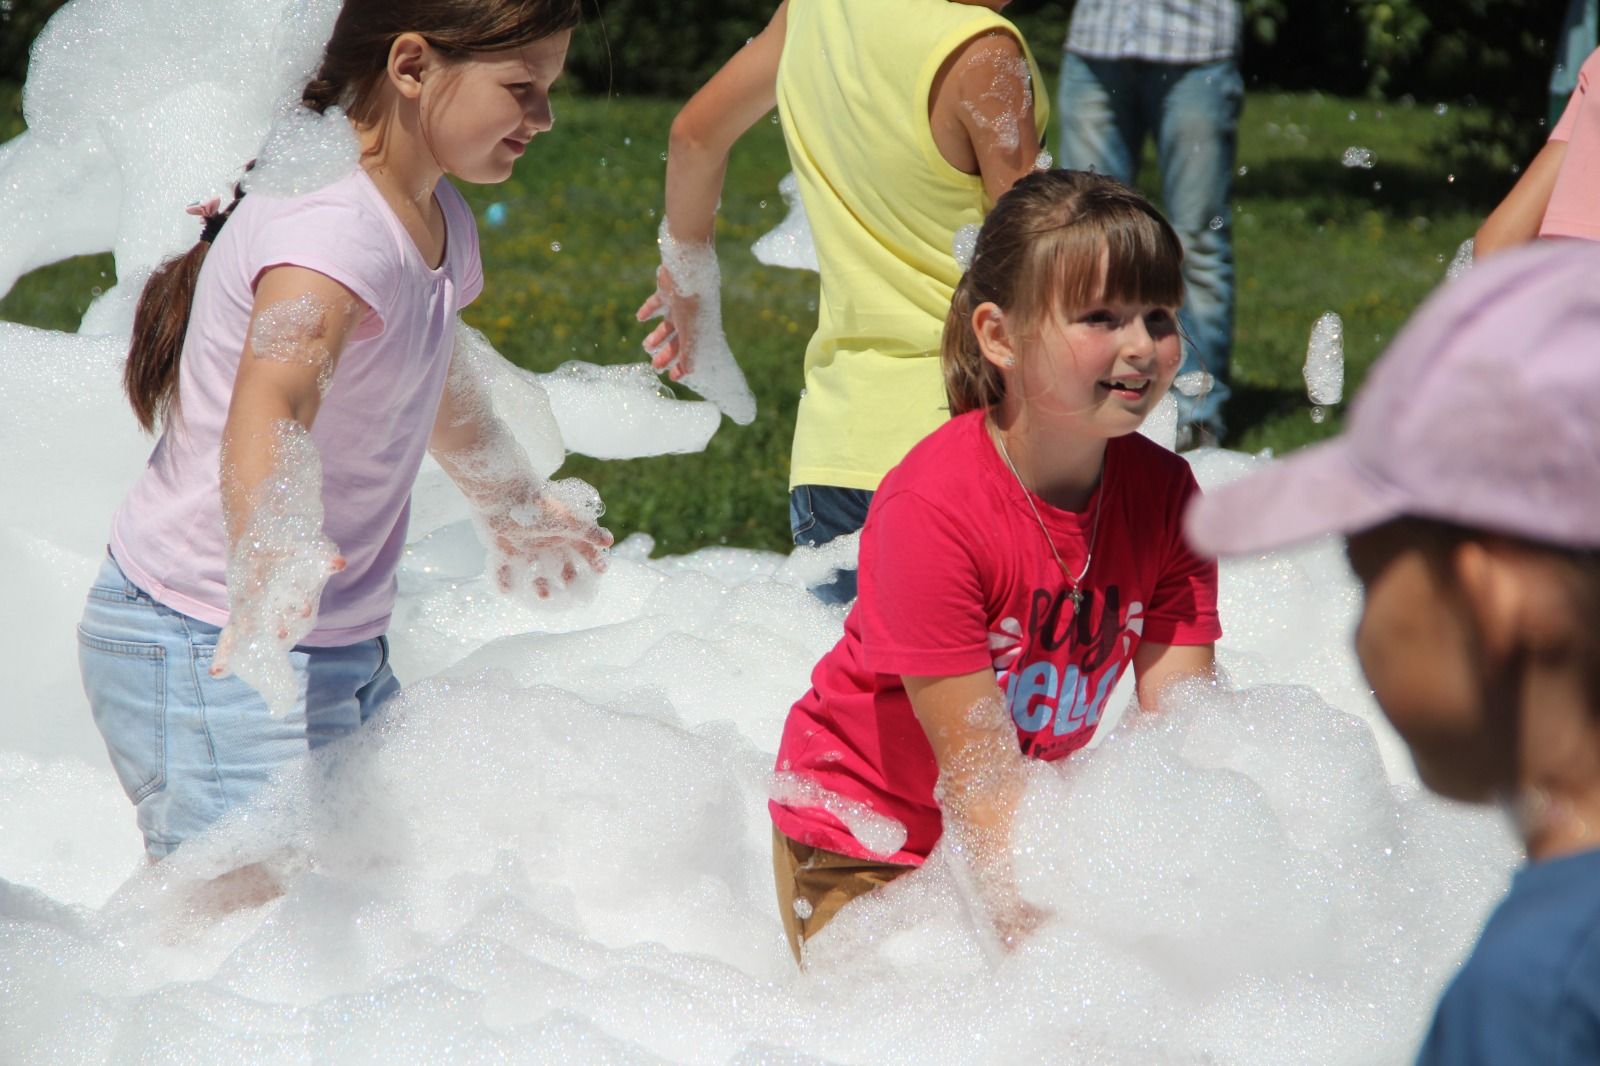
pixel 853 90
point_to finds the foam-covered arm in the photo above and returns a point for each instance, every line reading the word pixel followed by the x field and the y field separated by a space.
pixel 989 94
pixel 982 777
pixel 1157 667
pixel 543 537
pixel 279 559
pixel 689 343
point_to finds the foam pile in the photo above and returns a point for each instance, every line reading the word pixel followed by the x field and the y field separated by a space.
pixel 554 846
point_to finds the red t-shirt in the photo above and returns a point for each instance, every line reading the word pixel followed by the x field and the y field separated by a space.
pixel 956 576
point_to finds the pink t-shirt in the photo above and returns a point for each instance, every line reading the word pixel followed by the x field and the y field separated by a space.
pixel 956 577
pixel 373 426
pixel 1574 208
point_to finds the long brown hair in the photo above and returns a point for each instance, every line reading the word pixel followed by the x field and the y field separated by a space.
pixel 351 76
pixel 1039 250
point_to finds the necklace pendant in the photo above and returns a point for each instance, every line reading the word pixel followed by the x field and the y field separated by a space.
pixel 1076 596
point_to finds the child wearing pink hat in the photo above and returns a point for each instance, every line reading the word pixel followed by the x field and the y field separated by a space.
pixel 1467 486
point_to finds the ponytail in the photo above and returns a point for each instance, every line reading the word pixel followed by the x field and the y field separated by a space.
pixel 970 380
pixel 150 377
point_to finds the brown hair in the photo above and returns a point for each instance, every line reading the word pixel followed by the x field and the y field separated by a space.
pixel 351 75
pixel 1039 251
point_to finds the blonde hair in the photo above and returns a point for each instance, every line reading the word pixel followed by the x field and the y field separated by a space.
pixel 1040 251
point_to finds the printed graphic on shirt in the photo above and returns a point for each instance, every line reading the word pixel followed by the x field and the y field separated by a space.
pixel 1057 669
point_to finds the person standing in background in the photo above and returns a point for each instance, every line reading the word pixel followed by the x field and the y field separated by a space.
pixel 1167 68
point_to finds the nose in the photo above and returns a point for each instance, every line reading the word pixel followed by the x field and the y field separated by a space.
pixel 1137 341
pixel 539 115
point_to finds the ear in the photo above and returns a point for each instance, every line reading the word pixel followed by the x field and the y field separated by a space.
pixel 994 339
pixel 411 58
pixel 1495 591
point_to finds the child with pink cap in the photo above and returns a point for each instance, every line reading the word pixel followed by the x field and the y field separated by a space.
pixel 1467 486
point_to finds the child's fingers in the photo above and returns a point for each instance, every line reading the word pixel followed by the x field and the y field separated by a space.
pixel 336 564
pixel 651 308
pixel 224 651
pixel 541 588
pixel 653 340
pixel 668 355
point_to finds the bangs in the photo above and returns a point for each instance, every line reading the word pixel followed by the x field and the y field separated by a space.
pixel 1124 255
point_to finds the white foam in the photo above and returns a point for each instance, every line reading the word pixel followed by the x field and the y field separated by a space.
pixel 304 151
pixel 554 847
pixel 278 564
pixel 1462 261
pixel 1161 424
pixel 697 283
pixel 789 243
pixel 1357 158
pixel 1324 367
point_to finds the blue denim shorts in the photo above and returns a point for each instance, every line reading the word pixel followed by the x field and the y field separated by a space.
pixel 187 746
pixel 818 514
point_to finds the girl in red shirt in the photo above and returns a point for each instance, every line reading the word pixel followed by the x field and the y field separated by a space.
pixel 1012 567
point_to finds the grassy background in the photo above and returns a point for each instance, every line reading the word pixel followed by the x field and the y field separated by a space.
pixel 576 255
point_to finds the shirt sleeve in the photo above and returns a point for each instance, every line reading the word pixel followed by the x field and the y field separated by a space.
pixel 467 264
pixel 1183 607
pixel 921 603
pixel 340 241
pixel 1569 117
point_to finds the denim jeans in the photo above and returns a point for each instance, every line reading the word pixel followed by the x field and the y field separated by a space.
pixel 1108 107
pixel 818 514
pixel 187 746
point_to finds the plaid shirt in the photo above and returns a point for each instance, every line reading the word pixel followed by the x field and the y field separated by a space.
pixel 1162 31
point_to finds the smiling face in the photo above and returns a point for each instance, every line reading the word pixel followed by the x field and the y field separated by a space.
pixel 1105 366
pixel 1102 366
pixel 478 114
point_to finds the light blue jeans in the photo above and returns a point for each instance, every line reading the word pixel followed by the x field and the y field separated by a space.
pixel 818 514
pixel 187 746
pixel 1108 107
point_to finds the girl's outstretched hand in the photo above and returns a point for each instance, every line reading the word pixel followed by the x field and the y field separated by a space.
pixel 670 344
pixel 550 548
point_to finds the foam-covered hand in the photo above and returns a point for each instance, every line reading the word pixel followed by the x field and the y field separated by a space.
pixel 550 548
pixel 689 343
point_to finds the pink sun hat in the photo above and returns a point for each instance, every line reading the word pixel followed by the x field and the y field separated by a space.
pixel 1484 412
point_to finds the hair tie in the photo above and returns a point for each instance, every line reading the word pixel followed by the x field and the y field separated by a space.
pixel 213 215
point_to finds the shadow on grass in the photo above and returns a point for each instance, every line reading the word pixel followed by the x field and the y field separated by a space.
pixel 1251 407
pixel 1401 190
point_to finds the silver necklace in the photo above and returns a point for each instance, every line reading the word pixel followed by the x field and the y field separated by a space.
pixel 1074 584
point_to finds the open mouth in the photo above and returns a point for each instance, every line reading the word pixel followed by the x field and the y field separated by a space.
pixel 1128 388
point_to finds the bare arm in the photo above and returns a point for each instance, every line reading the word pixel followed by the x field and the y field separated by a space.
pixel 982 111
pixel 982 776
pixel 298 327
pixel 1157 667
pixel 714 118
pixel 689 343
pixel 1515 220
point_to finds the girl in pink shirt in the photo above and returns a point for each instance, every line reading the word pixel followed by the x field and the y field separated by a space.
pixel 1013 565
pixel 301 360
pixel 1555 195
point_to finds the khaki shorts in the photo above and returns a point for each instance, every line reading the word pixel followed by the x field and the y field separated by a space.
pixel 820 882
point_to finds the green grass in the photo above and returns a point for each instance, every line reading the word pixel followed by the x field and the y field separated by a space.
pixel 1311 236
